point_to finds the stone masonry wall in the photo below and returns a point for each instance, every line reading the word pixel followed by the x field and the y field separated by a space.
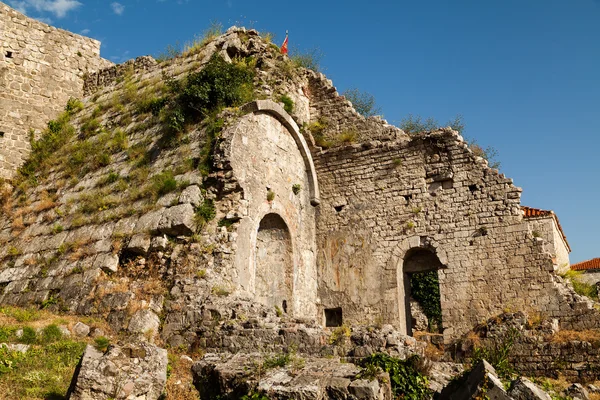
pixel 381 199
pixel 41 67
pixel 548 232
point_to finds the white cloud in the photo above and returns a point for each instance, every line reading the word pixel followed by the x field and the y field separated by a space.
pixel 59 8
pixel 118 8
pixel 84 31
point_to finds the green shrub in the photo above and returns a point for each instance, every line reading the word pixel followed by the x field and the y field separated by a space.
pixel 219 84
pixel 580 287
pixel 73 106
pixel 278 360
pixel 288 103
pixel 90 127
pixel 364 103
pixel 101 343
pixel 309 59
pixel 51 334
pixel 29 335
pixel 205 213
pixel 406 377
pixel 425 289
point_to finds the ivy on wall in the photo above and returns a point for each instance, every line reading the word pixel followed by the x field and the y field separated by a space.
pixel 425 289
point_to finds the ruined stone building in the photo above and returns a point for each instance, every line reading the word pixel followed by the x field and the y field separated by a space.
pixel 316 212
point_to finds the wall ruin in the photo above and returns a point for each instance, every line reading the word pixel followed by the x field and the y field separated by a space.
pixel 41 67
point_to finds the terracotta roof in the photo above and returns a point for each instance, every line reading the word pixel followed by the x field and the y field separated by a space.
pixel 585 265
pixel 530 212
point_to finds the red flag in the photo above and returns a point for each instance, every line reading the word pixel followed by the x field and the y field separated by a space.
pixel 284 46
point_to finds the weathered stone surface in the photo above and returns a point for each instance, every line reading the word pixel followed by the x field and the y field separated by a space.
pixel 314 379
pixel 21 348
pixel 481 381
pixel 145 322
pixel 178 220
pixel 192 195
pixel 139 244
pixel 128 371
pixel 108 262
pixel 577 392
pixel 81 330
pixel 524 389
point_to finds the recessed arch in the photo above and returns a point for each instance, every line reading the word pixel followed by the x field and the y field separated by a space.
pixel 276 111
pixel 274 263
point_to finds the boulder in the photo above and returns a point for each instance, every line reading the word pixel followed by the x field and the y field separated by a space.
pixel 81 330
pixel 524 389
pixel 482 381
pixel 138 244
pixel 192 195
pixel 178 220
pixel 129 371
pixel 577 391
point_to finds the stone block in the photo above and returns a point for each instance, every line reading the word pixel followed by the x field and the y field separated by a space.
pixel 192 195
pixel 139 244
pixel 132 371
pixel 178 220
pixel 108 262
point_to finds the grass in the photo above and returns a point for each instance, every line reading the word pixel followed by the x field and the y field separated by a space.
pixel 46 369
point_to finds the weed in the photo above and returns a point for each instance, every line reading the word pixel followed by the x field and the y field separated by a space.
pixel 101 343
pixel 340 335
pixel 214 30
pixel 29 336
pixel 220 291
pixel 497 354
pixel 580 287
pixel 278 360
pixel 536 234
pixel 309 59
pixel 347 136
pixel 296 188
pixel 205 213
pixel 57 228
pixel 201 273
pixel 163 183
pixel 51 334
pixel 13 251
pixel 406 376
pixel 21 314
pixel 397 162
pixel 288 103
pixel 270 195
pixel 364 103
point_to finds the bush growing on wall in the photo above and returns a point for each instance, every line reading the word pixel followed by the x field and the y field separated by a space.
pixel 425 288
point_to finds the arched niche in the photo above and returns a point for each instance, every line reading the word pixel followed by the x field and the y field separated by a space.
pixel 274 263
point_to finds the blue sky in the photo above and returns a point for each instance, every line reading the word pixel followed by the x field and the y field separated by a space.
pixel 524 74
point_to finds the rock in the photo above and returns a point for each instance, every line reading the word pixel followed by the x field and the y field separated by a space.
pixel 139 244
pixel 81 330
pixel 21 348
pixel 97 332
pixel 577 391
pixel 132 371
pixel 167 200
pixel 364 389
pixel 192 195
pixel 144 321
pixel 178 220
pixel 64 330
pixel 108 262
pixel 593 388
pixel 524 389
pixel 482 381
pixel 420 322
pixel 159 243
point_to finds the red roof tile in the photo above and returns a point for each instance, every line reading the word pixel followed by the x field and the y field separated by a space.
pixel 585 265
pixel 530 212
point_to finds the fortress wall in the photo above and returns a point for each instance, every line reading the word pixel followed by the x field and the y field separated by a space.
pixel 41 67
pixel 381 199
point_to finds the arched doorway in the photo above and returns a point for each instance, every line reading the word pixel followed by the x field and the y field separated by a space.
pixel 422 291
pixel 274 263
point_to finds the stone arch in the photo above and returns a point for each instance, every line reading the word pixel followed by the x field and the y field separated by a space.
pixel 276 111
pixel 274 263
pixel 414 254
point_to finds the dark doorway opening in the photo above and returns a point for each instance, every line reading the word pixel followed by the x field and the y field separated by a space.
pixel 333 317
pixel 422 291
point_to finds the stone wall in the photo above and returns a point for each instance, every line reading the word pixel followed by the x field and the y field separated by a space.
pixel 547 230
pixel 41 67
pixel 380 200
pixel 278 190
